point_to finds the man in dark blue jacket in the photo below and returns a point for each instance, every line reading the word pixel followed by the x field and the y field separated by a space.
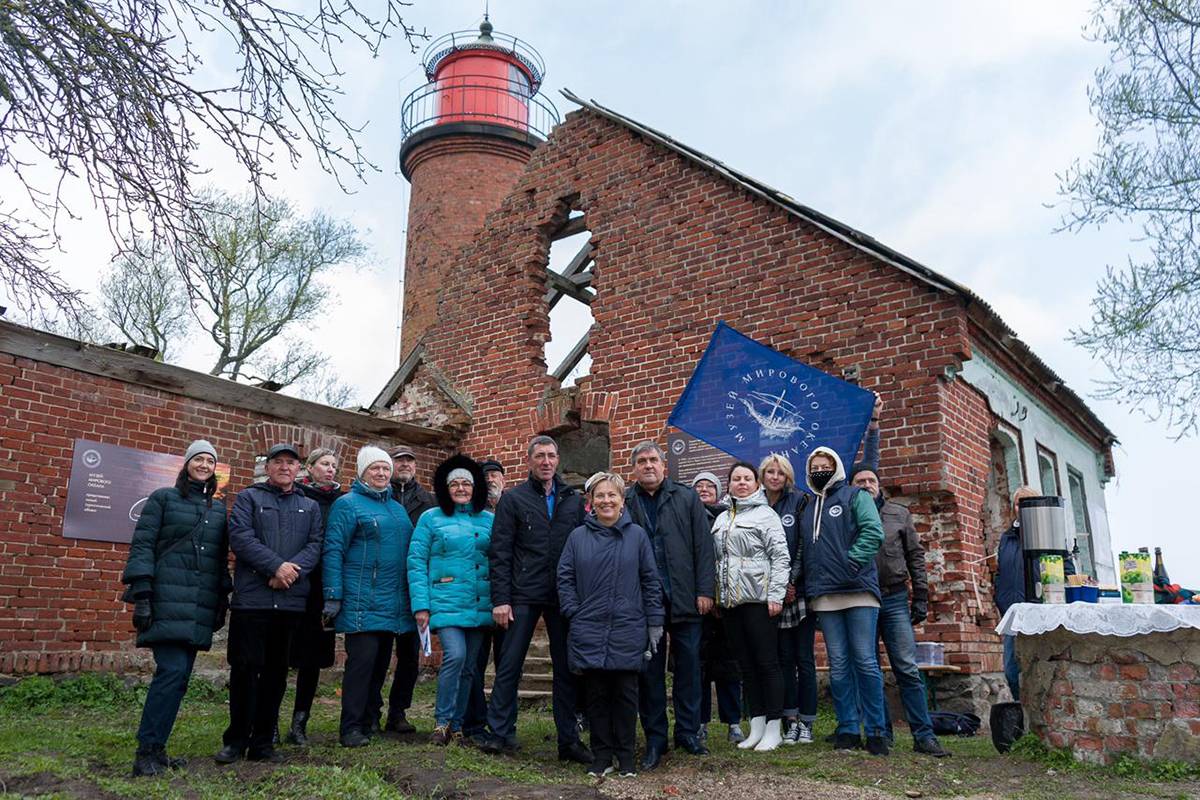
pixel 681 536
pixel 533 521
pixel 1010 583
pixel 275 532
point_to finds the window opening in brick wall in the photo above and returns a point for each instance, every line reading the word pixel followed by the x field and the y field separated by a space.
pixel 568 293
pixel 1048 472
pixel 1004 476
pixel 260 469
pixel 1083 521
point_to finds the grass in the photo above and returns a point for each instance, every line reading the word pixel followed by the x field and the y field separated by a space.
pixel 75 738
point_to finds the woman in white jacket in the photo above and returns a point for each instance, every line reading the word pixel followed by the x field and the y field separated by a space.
pixel 752 577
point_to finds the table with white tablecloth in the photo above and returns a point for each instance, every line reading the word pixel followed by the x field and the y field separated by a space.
pixel 1106 679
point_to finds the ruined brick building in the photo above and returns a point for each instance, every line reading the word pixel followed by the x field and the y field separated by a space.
pixel 677 241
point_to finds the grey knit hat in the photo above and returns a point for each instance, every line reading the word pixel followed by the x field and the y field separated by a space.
pixel 708 476
pixel 198 447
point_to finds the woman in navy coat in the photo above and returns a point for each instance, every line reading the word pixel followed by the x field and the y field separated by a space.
pixel 608 588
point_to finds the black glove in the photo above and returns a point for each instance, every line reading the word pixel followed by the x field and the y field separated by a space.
pixel 222 614
pixel 919 611
pixel 143 617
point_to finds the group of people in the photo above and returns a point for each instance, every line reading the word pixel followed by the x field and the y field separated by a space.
pixel 732 576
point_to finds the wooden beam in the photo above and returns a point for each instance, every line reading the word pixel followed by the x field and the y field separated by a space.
pixel 576 267
pixel 573 358
pixel 60 351
pixel 399 378
pixel 560 285
pixel 571 227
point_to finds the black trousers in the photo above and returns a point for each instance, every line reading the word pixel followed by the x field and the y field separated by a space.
pixel 259 642
pixel 754 636
pixel 408 667
pixel 612 709
pixel 502 708
pixel 475 720
pixel 367 658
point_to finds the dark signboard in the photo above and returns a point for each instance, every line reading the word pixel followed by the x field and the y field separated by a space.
pixel 688 456
pixel 109 485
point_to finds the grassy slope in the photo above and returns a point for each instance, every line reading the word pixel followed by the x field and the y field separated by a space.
pixel 77 741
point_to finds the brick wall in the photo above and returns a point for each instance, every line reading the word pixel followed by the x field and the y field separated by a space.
pixel 1102 696
pixel 456 180
pixel 60 596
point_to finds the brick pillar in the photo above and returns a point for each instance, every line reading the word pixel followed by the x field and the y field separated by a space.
pixel 457 178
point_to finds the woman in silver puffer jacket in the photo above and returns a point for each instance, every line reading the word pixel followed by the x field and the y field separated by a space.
pixel 752 578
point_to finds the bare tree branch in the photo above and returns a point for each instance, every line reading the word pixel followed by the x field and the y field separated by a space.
pixel 113 93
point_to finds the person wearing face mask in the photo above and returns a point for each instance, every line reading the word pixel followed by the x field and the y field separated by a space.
pixel 900 559
pixel 752 577
pixel 840 535
pixel 449 584
pixel 718 664
pixel 797 628
pixel 313 648
pixel 177 575
pixel 608 588
pixel 366 588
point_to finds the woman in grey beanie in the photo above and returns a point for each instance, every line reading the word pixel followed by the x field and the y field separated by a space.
pixel 178 581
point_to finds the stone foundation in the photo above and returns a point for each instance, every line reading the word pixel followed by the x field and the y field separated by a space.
pixel 1103 696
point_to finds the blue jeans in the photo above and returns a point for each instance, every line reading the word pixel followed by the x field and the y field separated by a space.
pixel 1012 670
pixel 172 670
pixel 895 628
pixel 685 692
pixel 460 651
pixel 854 672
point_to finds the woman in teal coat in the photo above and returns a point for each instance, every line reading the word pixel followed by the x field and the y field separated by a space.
pixel 448 579
pixel 366 594
pixel 178 579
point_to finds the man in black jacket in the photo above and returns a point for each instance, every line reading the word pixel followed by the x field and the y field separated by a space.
pixel 901 559
pixel 416 500
pixel 683 549
pixel 275 532
pixel 533 521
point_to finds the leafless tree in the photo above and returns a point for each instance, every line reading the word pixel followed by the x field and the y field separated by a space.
pixel 144 297
pixel 114 93
pixel 256 276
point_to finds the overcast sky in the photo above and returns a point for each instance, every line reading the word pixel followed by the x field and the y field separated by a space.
pixel 937 128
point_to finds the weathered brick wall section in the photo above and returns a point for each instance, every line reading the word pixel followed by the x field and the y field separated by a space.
pixel 1102 696
pixel 456 181
pixel 60 596
pixel 676 249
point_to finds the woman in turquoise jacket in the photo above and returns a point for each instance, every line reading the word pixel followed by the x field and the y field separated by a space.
pixel 448 580
pixel 366 594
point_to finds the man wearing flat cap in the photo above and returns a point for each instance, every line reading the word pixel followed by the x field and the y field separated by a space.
pixel 416 501
pixel 275 531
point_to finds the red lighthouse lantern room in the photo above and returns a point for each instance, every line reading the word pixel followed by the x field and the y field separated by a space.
pixel 480 78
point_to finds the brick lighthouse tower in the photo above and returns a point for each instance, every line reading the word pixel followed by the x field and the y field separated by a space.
pixel 467 134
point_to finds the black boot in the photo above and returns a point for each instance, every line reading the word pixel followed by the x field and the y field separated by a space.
pixel 146 764
pixel 160 753
pixel 298 733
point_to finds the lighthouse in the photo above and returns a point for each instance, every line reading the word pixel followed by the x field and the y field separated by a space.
pixel 466 136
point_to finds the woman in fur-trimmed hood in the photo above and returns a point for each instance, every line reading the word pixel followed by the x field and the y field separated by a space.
pixel 450 585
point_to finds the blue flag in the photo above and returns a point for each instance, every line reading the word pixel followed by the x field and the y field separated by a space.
pixel 751 401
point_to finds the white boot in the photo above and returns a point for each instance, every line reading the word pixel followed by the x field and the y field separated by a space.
pixel 758 726
pixel 771 738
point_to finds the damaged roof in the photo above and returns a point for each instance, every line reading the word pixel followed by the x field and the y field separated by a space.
pixel 979 310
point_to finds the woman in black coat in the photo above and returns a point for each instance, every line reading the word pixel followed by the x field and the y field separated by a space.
pixel 178 580
pixel 608 588
pixel 313 646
